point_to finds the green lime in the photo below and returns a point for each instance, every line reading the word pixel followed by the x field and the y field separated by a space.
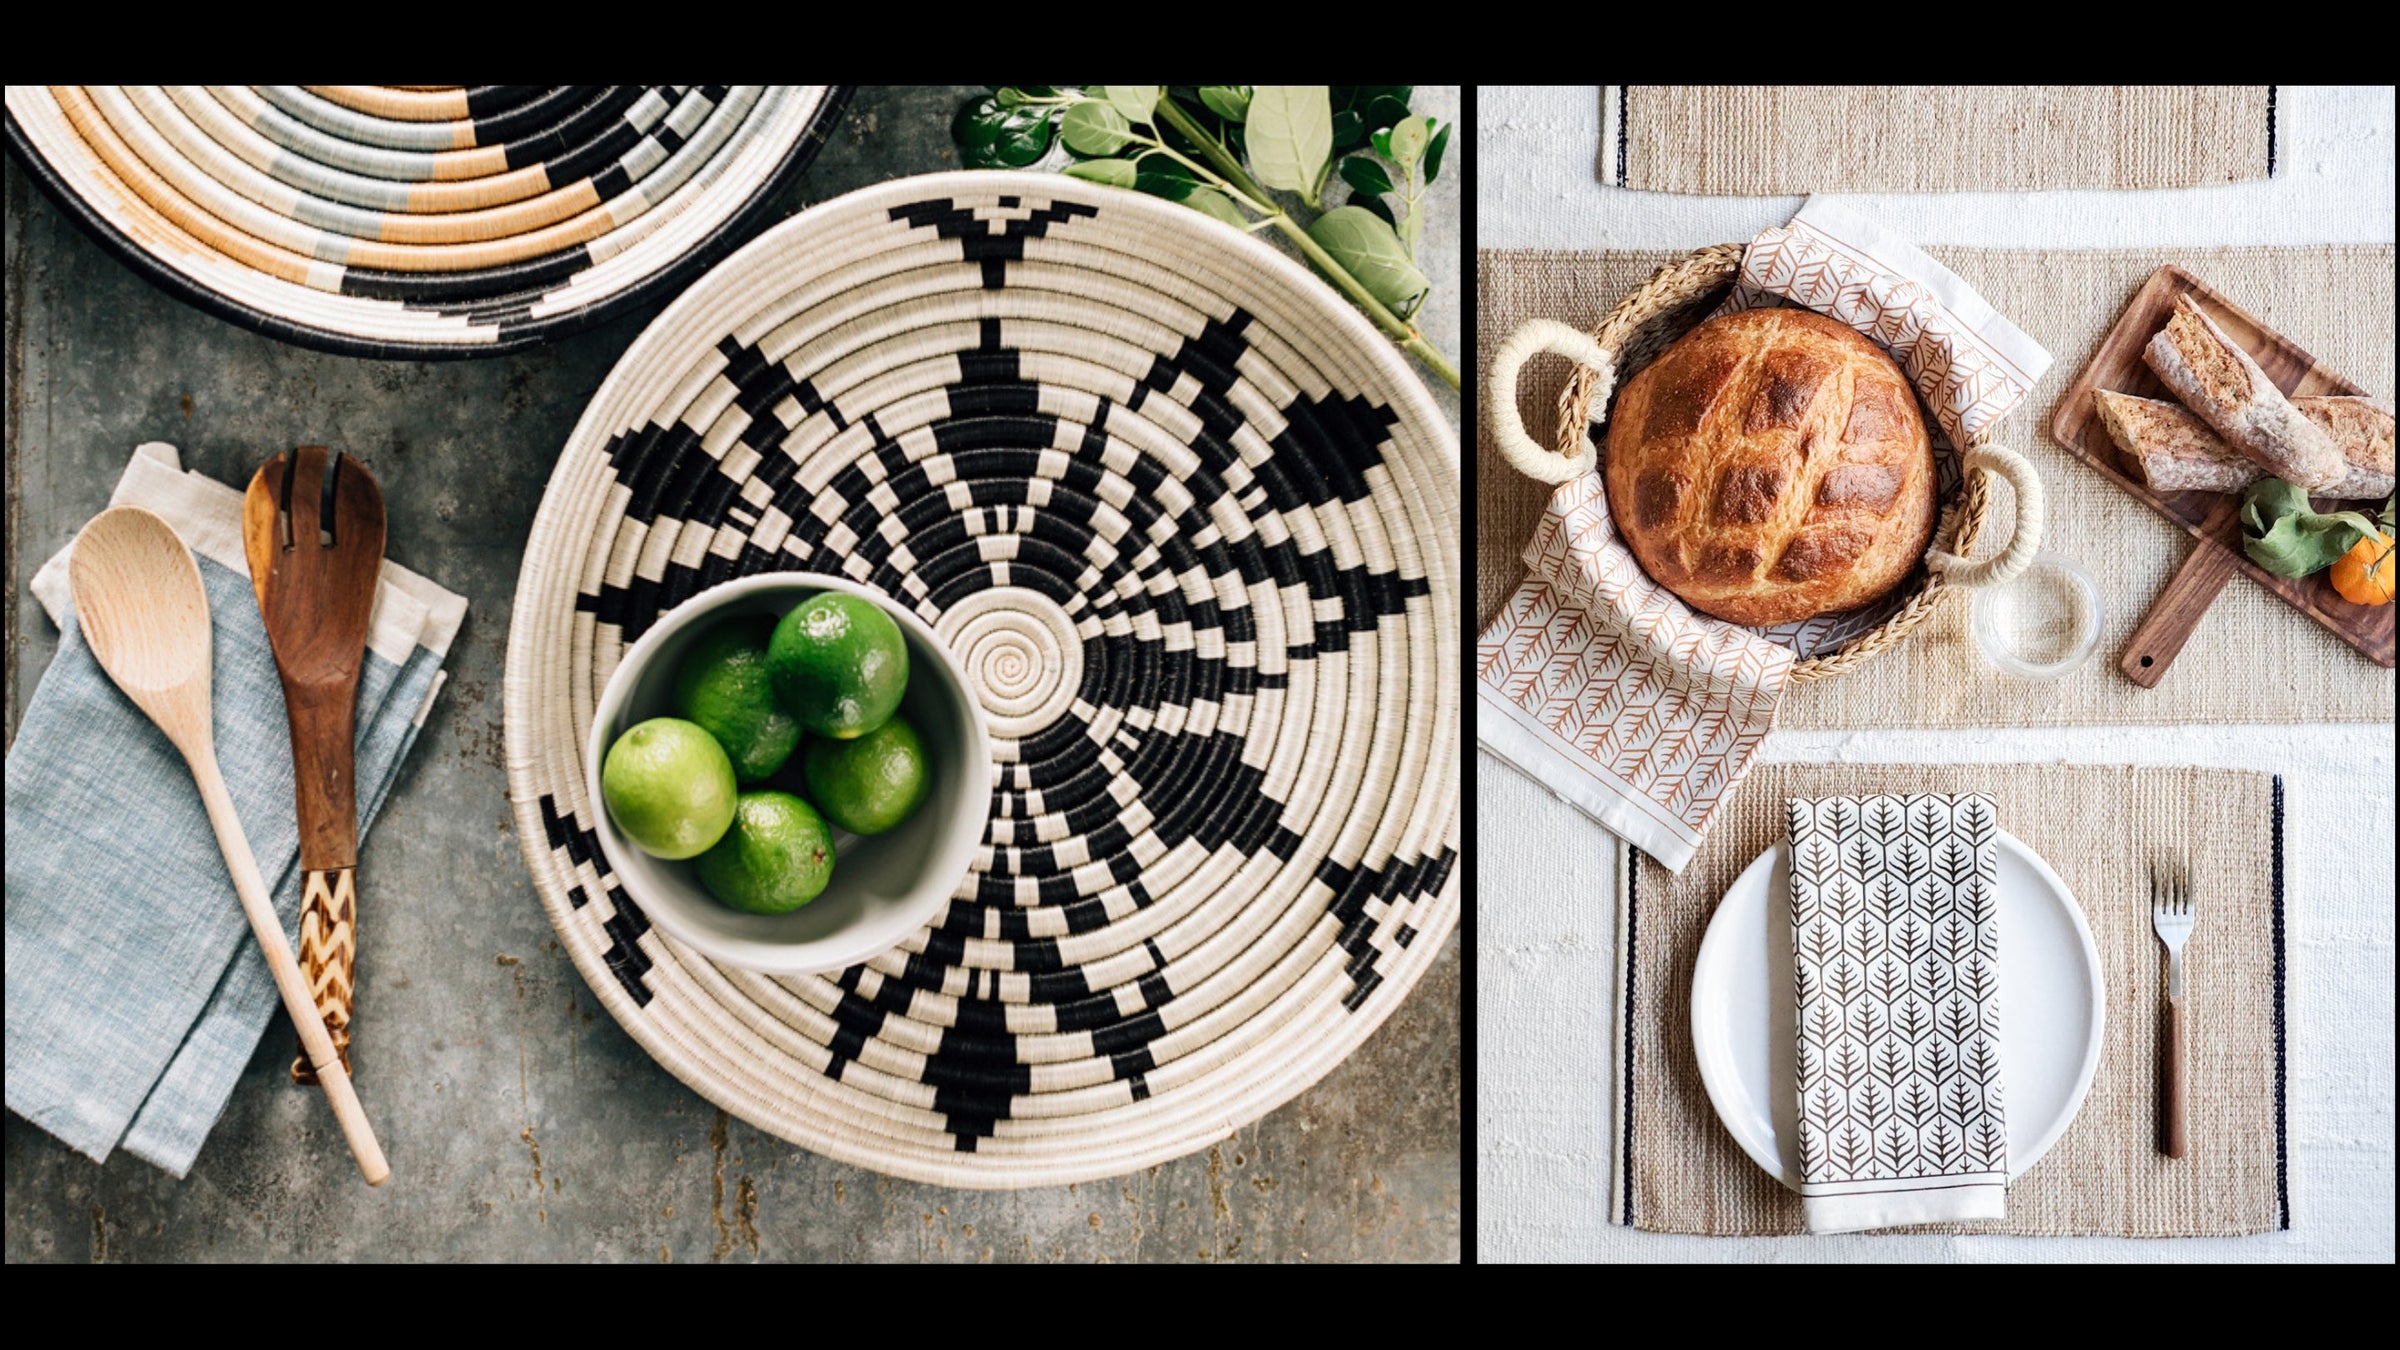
pixel 839 664
pixel 669 787
pixel 723 686
pixel 868 785
pixel 776 858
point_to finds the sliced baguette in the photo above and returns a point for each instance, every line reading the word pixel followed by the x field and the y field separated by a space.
pixel 2216 379
pixel 2362 428
pixel 2178 452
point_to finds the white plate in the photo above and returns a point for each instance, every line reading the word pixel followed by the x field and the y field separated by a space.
pixel 2051 1009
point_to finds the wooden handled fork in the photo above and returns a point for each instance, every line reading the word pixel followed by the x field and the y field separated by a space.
pixel 312 525
pixel 2171 916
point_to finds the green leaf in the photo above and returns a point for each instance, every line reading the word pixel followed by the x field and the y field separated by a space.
pixel 1433 152
pixel 1369 250
pixel 992 137
pixel 1210 202
pixel 2387 510
pixel 1365 176
pixel 1114 172
pixel 1136 101
pixel 1095 127
pixel 1409 135
pixel 1382 141
pixel 1229 101
pixel 2282 535
pixel 1291 137
pixel 1362 109
pixel 1161 176
pixel 1376 205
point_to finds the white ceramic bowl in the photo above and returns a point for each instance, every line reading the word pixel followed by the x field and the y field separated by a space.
pixel 886 886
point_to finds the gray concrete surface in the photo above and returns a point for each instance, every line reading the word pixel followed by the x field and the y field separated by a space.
pixel 523 1124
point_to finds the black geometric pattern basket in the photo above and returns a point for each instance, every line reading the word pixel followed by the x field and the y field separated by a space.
pixel 1191 527
pixel 417 222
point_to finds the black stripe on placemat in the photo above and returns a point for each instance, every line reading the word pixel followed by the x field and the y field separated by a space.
pixel 2283 1188
pixel 1622 104
pixel 1633 869
pixel 2271 174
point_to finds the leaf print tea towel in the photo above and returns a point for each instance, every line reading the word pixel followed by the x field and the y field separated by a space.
pixel 1895 944
pixel 1606 689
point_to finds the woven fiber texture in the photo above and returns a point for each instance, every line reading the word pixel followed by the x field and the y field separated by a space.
pixel 2336 301
pixel 1653 317
pixel 391 222
pixel 1759 141
pixel 2098 827
pixel 1189 524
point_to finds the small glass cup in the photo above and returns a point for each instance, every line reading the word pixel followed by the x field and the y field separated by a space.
pixel 2042 624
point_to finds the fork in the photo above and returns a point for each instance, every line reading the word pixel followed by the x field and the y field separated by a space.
pixel 2171 916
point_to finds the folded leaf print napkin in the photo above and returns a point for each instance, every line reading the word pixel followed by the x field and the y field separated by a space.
pixel 1895 947
pixel 135 990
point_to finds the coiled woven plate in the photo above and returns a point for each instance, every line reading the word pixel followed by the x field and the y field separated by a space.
pixel 1192 527
pixel 390 222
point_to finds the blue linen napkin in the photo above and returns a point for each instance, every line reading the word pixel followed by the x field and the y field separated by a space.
pixel 135 992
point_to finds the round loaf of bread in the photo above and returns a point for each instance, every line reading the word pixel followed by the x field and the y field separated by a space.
pixel 1772 466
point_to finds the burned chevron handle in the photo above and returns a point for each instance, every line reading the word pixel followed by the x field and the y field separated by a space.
pixel 328 954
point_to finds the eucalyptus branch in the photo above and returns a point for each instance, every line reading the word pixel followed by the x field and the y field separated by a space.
pixel 1261 204
pixel 1216 150
pixel 1293 138
pixel 1410 338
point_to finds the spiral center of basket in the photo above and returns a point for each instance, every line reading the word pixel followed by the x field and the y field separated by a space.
pixel 1020 651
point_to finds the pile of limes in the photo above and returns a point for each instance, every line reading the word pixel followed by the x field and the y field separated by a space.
pixel 720 781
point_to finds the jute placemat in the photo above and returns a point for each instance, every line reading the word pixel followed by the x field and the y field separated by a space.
pixel 1679 1170
pixel 1768 140
pixel 2253 659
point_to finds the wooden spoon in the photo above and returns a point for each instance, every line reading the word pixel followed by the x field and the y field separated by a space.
pixel 313 529
pixel 144 612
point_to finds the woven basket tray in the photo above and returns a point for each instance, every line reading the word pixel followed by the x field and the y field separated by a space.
pixel 1647 321
pixel 1192 527
pixel 390 222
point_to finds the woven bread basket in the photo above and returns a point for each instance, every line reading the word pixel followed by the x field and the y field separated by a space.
pixel 1647 321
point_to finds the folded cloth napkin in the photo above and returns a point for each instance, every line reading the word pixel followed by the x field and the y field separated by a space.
pixel 135 991
pixel 1895 946
pixel 1629 704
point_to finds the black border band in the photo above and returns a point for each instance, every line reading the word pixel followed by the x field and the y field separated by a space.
pixel 1633 870
pixel 1623 104
pixel 2271 147
pixel 2283 1186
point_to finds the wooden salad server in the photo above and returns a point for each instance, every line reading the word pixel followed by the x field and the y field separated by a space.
pixel 144 613
pixel 312 524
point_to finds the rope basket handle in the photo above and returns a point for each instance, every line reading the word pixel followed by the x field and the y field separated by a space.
pixel 2025 533
pixel 1528 456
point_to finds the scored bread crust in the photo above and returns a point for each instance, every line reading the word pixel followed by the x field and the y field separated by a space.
pixel 2218 380
pixel 2177 452
pixel 1770 466
pixel 2362 429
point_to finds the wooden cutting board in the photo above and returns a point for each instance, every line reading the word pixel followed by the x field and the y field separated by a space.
pixel 2211 517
